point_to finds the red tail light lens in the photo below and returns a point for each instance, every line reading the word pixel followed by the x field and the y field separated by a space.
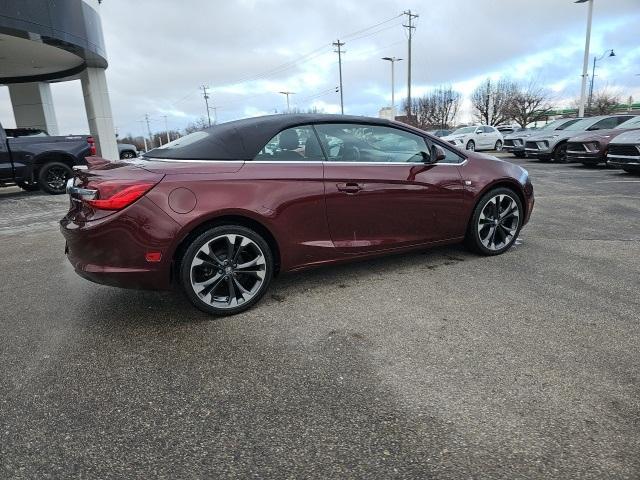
pixel 92 146
pixel 118 194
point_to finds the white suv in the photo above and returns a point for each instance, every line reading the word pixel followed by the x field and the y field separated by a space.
pixel 482 137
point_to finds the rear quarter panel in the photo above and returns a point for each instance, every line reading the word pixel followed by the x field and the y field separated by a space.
pixel 288 200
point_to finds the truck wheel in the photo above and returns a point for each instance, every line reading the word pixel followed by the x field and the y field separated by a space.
pixel 53 177
pixel 28 186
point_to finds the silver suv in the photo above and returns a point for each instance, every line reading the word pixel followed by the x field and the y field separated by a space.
pixel 514 142
pixel 553 145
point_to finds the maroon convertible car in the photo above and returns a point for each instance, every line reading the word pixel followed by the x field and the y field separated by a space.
pixel 221 211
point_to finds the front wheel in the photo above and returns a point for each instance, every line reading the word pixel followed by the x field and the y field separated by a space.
pixel 560 153
pixel 496 222
pixel 632 170
pixel 519 154
pixel 471 146
pixel 28 185
pixel 498 146
pixel 226 270
pixel 127 154
pixel 53 177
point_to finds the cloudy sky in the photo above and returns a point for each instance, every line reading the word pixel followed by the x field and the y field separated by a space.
pixel 161 52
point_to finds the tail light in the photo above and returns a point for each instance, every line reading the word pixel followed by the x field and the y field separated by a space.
pixel 92 146
pixel 117 194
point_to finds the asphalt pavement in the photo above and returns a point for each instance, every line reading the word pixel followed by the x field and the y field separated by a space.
pixel 439 364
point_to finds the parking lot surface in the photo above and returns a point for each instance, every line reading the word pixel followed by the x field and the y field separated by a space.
pixel 440 364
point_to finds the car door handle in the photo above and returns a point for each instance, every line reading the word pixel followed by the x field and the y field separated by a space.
pixel 349 187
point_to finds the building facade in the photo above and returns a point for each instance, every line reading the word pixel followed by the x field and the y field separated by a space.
pixel 44 41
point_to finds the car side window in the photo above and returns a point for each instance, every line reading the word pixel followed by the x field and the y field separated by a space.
pixel 349 142
pixel 605 123
pixel 296 144
pixel 451 157
pixel 488 129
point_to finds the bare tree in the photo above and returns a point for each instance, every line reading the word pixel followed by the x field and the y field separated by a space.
pixel 197 125
pixel 492 101
pixel 436 109
pixel 604 102
pixel 529 103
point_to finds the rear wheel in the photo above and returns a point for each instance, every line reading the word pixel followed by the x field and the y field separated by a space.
pixel 53 177
pixel 496 222
pixel 226 270
pixel 127 154
pixel 471 145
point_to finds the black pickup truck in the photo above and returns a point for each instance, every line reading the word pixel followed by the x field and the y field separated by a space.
pixel 41 161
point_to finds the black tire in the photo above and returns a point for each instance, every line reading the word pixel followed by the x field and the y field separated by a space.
pixel 228 277
pixel 519 154
pixel 53 177
pixel 126 154
pixel 471 146
pixel 634 171
pixel 498 146
pixel 473 238
pixel 28 186
pixel 560 153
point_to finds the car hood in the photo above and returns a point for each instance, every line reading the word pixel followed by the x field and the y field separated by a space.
pixel 628 136
pixel 458 136
pixel 555 135
pixel 599 135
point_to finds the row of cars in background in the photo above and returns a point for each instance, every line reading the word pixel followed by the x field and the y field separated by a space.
pixel 610 139
pixel 34 160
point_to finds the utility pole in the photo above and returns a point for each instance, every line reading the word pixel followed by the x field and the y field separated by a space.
pixel 205 94
pixel 166 128
pixel 287 95
pixel 585 63
pixel 338 44
pixel 146 117
pixel 411 28
pixel 144 139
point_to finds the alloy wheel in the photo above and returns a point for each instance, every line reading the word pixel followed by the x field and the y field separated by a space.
pixel 56 178
pixel 498 146
pixel 228 271
pixel 498 222
pixel 471 146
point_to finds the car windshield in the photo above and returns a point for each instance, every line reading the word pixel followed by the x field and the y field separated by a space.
pixel 631 123
pixel 560 124
pixel 464 130
pixel 582 124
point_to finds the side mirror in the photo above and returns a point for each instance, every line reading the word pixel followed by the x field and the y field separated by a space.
pixel 439 153
pixel 478 130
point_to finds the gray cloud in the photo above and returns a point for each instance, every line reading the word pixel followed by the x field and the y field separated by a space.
pixel 160 51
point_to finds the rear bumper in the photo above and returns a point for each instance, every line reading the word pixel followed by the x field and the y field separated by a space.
pixel 112 250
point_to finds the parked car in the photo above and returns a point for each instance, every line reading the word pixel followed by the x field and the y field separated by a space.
pixel 508 129
pixel 221 211
pixel 440 133
pixel 42 161
pixel 624 151
pixel 514 142
pixel 553 145
pixel 591 148
pixel 481 137
pixel 126 151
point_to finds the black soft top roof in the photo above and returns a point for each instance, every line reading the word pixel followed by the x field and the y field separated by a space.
pixel 243 139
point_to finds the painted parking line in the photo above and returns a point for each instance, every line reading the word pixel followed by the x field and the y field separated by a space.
pixel 619 181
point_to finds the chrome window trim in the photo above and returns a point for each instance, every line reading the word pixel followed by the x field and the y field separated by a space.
pixel 306 162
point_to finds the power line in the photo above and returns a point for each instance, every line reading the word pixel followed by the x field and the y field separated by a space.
pixel 338 44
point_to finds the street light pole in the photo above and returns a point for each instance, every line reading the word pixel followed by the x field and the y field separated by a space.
pixel 287 95
pixel 393 60
pixel 593 74
pixel 585 63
